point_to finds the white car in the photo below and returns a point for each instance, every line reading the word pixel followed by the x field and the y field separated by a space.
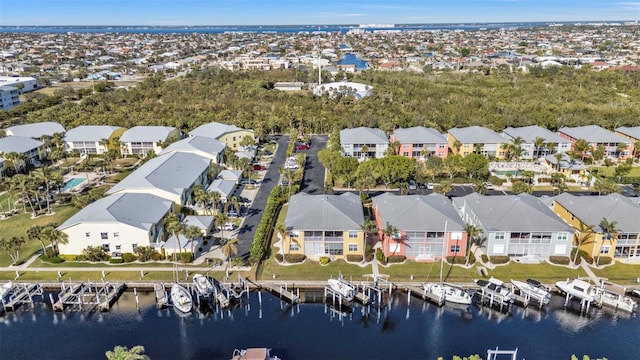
pixel 488 185
pixel 429 186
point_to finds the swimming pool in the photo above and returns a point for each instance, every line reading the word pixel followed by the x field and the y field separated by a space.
pixel 507 172
pixel 73 182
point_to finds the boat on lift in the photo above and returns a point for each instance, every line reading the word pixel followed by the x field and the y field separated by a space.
pixel 534 290
pixel 343 287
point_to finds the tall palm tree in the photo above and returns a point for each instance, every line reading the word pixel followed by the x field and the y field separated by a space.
pixel 233 202
pixel 219 220
pixel 192 232
pixel 369 228
pixel 200 196
pixel 610 233
pixel 173 225
pixel 473 233
pixel 46 175
pixel 581 147
pixel 35 233
pixel 551 146
pixel 583 237
pixel 538 143
pixel 23 183
pixel 621 147
pixel 230 246
pixel 391 232
pixel 558 157
pixel 55 237
pixel 16 160
pixel 215 198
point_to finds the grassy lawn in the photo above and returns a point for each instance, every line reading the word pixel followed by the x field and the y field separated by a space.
pixel 620 273
pixel 109 276
pixel 610 171
pixel 17 225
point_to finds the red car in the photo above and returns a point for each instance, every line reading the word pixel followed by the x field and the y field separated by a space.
pixel 302 147
pixel 258 167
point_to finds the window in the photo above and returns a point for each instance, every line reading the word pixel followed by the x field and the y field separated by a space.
pixel 441 146
pixel 118 247
pixel 294 247
pixel 353 247
pixel 353 234
pixel 605 249
pixel 116 234
pixel 87 234
pixel 455 248
pixel 499 236
pixel 104 235
pixel 134 247
pixel 106 247
pixel 394 247
pixel 563 236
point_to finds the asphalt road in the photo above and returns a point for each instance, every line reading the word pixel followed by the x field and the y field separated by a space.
pixel 270 180
pixel 313 180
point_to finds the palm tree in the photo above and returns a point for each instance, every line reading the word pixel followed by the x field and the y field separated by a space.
pixel 55 237
pixel 558 157
pixel 621 147
pixel 192 232
pixel 215 198
pixel 473 234
pixel 538 143
pixel 219 220
pixel 16 159
pixel 123 353
pixel 230 246
pixel 12 247
pixel 23 184
pixel 480 188
pixel 551 146
pixel 234 202
pixel 583 237
pixel 369 228
pixel 392 233
pixel 35 233
pixel 173 225
pixel 457 145
pixel 581 147
pixel 200 197
pixel 610 233
pixel 46 175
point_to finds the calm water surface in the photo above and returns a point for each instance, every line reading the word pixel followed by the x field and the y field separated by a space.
pixel 398 330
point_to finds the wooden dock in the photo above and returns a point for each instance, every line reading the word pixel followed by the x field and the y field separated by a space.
pixel 283 292
pixel 160 292
pixel 22 294
pixel 419 292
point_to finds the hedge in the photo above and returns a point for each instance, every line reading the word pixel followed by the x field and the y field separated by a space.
pixel 324 260
pixel 605 260
pixel 560 260
pixel 456 259
pixel 258 250
pixel 394 259
pixel 52 259
pixel 499 259
pixel 295 258
pixel 128 257
pixel 354 258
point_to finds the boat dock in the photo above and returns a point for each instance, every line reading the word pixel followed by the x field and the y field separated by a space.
pixel 493 298
pixel 421 293
pixel 162 300
pixel 89 296
pixel 283 292
pixel 22 294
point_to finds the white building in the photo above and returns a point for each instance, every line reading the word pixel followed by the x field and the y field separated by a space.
pixel 364 143
pixel 90 139
pixel 141 140
pixel 9 97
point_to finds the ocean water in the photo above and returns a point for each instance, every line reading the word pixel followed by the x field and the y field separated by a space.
pixel 397 329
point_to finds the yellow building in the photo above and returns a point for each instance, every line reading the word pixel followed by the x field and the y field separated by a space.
pixel 582 212
pixel 231 135
pixel 324 225
pixel 481 140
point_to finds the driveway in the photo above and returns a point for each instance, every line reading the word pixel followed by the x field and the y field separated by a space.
pixel 270 180
pixel 313 180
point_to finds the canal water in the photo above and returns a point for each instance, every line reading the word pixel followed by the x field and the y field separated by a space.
pixel 398 329
pixel 353 59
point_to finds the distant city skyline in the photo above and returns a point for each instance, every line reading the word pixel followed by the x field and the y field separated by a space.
pixel 305 12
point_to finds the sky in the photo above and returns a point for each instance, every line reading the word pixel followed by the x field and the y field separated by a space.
pixel 307 12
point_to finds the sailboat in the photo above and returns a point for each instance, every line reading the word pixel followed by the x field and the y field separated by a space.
pixel 448 293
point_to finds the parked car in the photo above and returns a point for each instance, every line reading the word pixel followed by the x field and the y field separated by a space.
pixel 412 185
pixel 227 227
pixel 259 167
pixel 302 147
pixel 488 185
pixel 430 186
pixel 291 166
pixel 284 182
pixel 248 182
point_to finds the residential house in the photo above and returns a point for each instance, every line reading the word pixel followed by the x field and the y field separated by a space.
pixel 476 139
pixel 117 224
pixel 324 225
pixel 427 226
pixel 529 134
pixel 35 130
pixel 364 143
pixel 9 97
pixel 518 226
pixel 92 139
pixel 204 223
pixel 420 143
pixel 616 146
pixel 585 211
pixel 630 133
pixel 170 176
pixel 224 187
pixel 30 149
pixel 198 145
pixel 228 134
pixel 140 140
pixel 573 169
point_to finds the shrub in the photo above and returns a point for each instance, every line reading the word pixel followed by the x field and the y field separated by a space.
pixel 354 258
pixel 560 260
pixel 380 256
pixel 146 253
pixel 456 259
pixel 52 259
pixel 499 259
pixel 157 256
pixel 484 258
pixel 581 255
pixel 128 257
pixel 605 260
pixel 185 257
pixel 472 258
pixel 369 257
pixel 395 259
pixel 496 180
pixel 68 257
pixel 116 260
pixel 278 257
pixel 324 260
pixel 295 258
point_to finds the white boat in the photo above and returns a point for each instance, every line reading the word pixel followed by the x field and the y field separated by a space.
pixel 614 296
pixel 203 285
pixel 534 290
pixel 497 287
pixel 253 354
pixel 181 298
pixel 449 293
pixel 637 292
pixel 5 290
pixel 343 288
pixel 577 288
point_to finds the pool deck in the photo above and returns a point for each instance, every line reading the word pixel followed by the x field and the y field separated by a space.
pixel 89 177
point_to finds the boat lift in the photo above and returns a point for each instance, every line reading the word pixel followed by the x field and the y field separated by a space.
pixel 22 294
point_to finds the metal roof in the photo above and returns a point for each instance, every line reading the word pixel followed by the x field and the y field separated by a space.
pixel 419 135
pixel 135 209
pixel 172 173
pixel 147 133
pixel 633 132
pixel 214 130
pixel 363 135
pixel 593 134
pixel 418 212
pixel 613 207
pixel 35 130
pixel 477 135
pixel 224 187
pixel 203 144
pixel 90 133
pixel 522 212
pixel 530 133
pixel 325 212
pixel 18 144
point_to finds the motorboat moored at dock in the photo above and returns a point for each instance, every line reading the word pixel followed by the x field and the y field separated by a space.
pixel 203 286
pixel 533 290
pixel 343 288
pixel 181 298
pixel 449 293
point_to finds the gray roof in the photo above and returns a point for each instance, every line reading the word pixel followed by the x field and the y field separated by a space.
pixel 530 133
pixel 324 212
pixel 207 145
pixel 185 243
pixel 593 134
pixel 591 209
pixel 171 172
pixel 419 135
pixel 147 133
pixel 566 162
pixel 633 132
pixel 135 209
pixel 522 212
pixel 199 221
pixel 214 130
pixel 90 133
pixel 224 187
pixel 418 212
pixel 363 135
pixel 234 175
pixel 18 144
pixel 36 130
pixel 477 135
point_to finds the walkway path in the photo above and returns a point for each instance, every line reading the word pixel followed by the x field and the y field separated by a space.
pixel 590 273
